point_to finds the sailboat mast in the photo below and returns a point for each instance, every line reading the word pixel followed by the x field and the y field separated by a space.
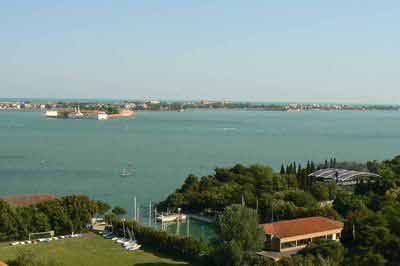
pixel 150 213
pixel 123 226
pixel 134 203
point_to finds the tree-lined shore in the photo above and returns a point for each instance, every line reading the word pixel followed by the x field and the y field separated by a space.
pixel 242 197
pixel 370 210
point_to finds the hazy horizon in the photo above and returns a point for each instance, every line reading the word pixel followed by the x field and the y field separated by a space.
pixel 310 51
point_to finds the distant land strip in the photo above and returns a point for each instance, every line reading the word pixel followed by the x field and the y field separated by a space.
pixel 12 157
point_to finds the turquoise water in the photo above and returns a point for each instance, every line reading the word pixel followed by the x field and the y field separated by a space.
pixel 39 155
pixel 86 156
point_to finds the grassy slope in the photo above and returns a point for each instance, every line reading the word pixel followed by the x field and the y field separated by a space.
pixel 91 250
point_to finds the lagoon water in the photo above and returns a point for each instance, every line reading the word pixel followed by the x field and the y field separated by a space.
pixel 40 155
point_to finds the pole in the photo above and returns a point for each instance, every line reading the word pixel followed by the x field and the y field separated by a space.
pixel 155 215
pixel 134 203
pixel 187 226
pixel 150 213
pixel 123 226
pixel 129 206
pixel 133 210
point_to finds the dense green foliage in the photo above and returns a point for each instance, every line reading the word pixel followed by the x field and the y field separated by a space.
pixel 239 237
pixel 275 195
pixel 118 211
pixel 110 109
pixel 65 215
pixel 102 207
pixel 243 197
pixel 371 211
pixel 325 249
pixel 185 248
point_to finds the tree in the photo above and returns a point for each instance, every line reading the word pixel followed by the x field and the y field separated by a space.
pixel 282 170
pixel 8 228
pixel 312 167
pixel 239 236
pixel 370 258
pixel 111 109
pixel 80 209
pixel 300 198
pixel 327 249
pixel 386 171
pixel 373 166
pixel 118 211
pixel 191 183
pixel 320 191
pixel 110 218
pixel 102 207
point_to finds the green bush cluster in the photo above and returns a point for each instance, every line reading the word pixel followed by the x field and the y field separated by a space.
pixel 64 215
pixel 185 248
pixel 275 195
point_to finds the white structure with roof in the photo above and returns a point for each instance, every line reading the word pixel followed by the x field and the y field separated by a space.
pixel 341 176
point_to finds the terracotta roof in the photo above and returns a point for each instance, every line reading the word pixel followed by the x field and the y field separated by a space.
pixel 28 200
pixel 2 263
pixel 302 226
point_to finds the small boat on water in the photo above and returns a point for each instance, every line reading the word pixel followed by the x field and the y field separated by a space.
pixel 128 171
pixel 125 173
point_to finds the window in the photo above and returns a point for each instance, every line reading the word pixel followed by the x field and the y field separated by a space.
pixel 288 244
pixel 337 236
pixel 304 242
pixel 318 238
pixel 329 237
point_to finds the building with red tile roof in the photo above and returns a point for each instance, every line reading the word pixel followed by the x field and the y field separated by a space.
pixel 290 235
pixel 28 200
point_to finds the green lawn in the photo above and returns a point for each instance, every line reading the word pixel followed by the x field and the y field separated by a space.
pixel 91 250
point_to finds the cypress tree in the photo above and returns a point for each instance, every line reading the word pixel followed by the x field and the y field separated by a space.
pixel 312 167
pixel 308 167
pixel 282 169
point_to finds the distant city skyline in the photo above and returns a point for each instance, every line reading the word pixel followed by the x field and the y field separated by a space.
pixel 183 99
pixel 286 51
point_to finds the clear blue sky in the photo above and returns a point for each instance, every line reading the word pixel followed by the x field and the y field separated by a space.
pixel 340 50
